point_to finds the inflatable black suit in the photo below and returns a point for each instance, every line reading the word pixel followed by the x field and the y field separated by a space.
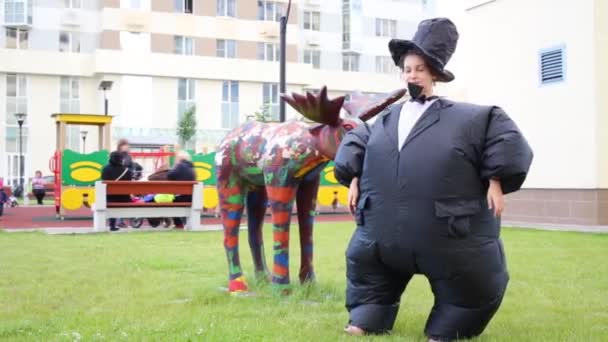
pixel 422 209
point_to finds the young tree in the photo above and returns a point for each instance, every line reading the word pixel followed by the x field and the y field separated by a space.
pixel 186 127
pixel 262 115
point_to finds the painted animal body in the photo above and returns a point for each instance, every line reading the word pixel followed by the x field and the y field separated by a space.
pixel 277 164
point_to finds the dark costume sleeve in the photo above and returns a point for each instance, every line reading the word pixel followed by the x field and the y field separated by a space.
pixel 506 153
pixel 349 158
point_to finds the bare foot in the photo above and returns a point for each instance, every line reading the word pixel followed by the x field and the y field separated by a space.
pixel 354 331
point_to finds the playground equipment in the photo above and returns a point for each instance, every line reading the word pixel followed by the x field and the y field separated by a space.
pixel 76 173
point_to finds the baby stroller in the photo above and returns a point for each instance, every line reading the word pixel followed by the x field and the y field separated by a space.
pixel 136 222
pixel 12 199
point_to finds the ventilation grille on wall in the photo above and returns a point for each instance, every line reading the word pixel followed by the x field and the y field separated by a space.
pixel 552 65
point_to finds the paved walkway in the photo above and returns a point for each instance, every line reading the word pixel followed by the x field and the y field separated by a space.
pixel 42 218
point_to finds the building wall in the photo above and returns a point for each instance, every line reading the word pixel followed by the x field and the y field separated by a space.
pixel 134 48
pixel 560 119
pixel 601 89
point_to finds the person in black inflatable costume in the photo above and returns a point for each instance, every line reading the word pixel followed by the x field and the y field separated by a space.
pixel 426 181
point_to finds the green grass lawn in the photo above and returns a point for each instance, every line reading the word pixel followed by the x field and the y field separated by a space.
pixel 166 287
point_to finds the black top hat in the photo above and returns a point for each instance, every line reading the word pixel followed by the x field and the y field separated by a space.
pixel 435 40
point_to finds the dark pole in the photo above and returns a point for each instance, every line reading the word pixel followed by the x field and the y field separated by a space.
pixel 21 154
pixel 84 144
pixel 283 49
pixel 105 101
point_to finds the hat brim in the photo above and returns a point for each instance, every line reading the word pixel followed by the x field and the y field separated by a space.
pixel 400 47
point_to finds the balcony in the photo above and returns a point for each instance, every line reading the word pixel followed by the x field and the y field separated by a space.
pixel 312 3
pixel 17 13
pixel 71 18
pixel 312 39
pixel 269 29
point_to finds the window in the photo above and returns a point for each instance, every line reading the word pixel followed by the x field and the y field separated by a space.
pixel 313 57
pixel 226 8
pixel 270 10
pixel 16 97
pixel 183 6
pixel 186 88
pixel 226 48
pixel 552 65
pixel 312 20
pixel 184 45
pixel 16 38
pixel 386 28
pixel 69 95
pixel 268 52
pixel 16 102
pixel 69 42
pixel 72 3
pixel 345 24
pixel 384 65
pixel 270 96
pixel 230 104
pixel 350 62
pixel 135 4
pixel 18 12
pixel 135 41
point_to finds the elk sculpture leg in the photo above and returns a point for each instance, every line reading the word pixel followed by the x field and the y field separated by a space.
pixel 256 210
pixel 306 203
pixel 231 194
pixel 281 203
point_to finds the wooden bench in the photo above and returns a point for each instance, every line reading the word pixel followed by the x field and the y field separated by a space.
pixel 103 210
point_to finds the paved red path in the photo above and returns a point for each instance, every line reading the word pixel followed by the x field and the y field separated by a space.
pixel 44 217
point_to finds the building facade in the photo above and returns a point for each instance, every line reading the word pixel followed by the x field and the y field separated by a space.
pixel 164 56
pixel 546 65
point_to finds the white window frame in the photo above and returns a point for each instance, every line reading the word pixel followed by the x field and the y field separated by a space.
pixel 270 99
pixel 225 48
pixel 230 104
pixel 18 11
pixel 135 4
pixel 21 43
pixel 351 62
pixel 74 4
pixel 313 57
pixel 69 101
pixel 72 46
pixel 14 104
pixel 386 27
pixel 226 8
pixel 189 99
pixel 184 45
pixel 309 22
pixel 385 65
pixel 181 6
pixel 270 52
pixel 270 10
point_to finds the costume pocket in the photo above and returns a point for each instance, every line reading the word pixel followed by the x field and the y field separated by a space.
pixel 458 214
pixel 362 204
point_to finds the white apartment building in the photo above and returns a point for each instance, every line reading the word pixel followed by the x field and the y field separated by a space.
pixel 544 62
pixel 164 56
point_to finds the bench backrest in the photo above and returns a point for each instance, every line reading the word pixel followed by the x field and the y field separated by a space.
pixel 149 187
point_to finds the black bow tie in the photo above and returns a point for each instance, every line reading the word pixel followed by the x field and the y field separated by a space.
pixel 422 99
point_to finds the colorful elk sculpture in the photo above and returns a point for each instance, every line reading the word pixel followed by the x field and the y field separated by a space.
pixel 276 163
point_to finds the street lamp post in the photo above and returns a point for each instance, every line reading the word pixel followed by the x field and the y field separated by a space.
pixel 83 134
pixel 283 49
pixel 105 85
pixel 20 120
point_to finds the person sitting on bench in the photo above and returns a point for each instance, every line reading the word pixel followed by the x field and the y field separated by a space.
pixel 182 171
pixel 116 171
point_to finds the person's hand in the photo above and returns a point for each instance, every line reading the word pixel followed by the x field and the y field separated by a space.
pixel 353 195
pixel 496 197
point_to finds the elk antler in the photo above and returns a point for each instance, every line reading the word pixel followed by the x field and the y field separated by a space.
pixel 366 107
pixel 317 108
